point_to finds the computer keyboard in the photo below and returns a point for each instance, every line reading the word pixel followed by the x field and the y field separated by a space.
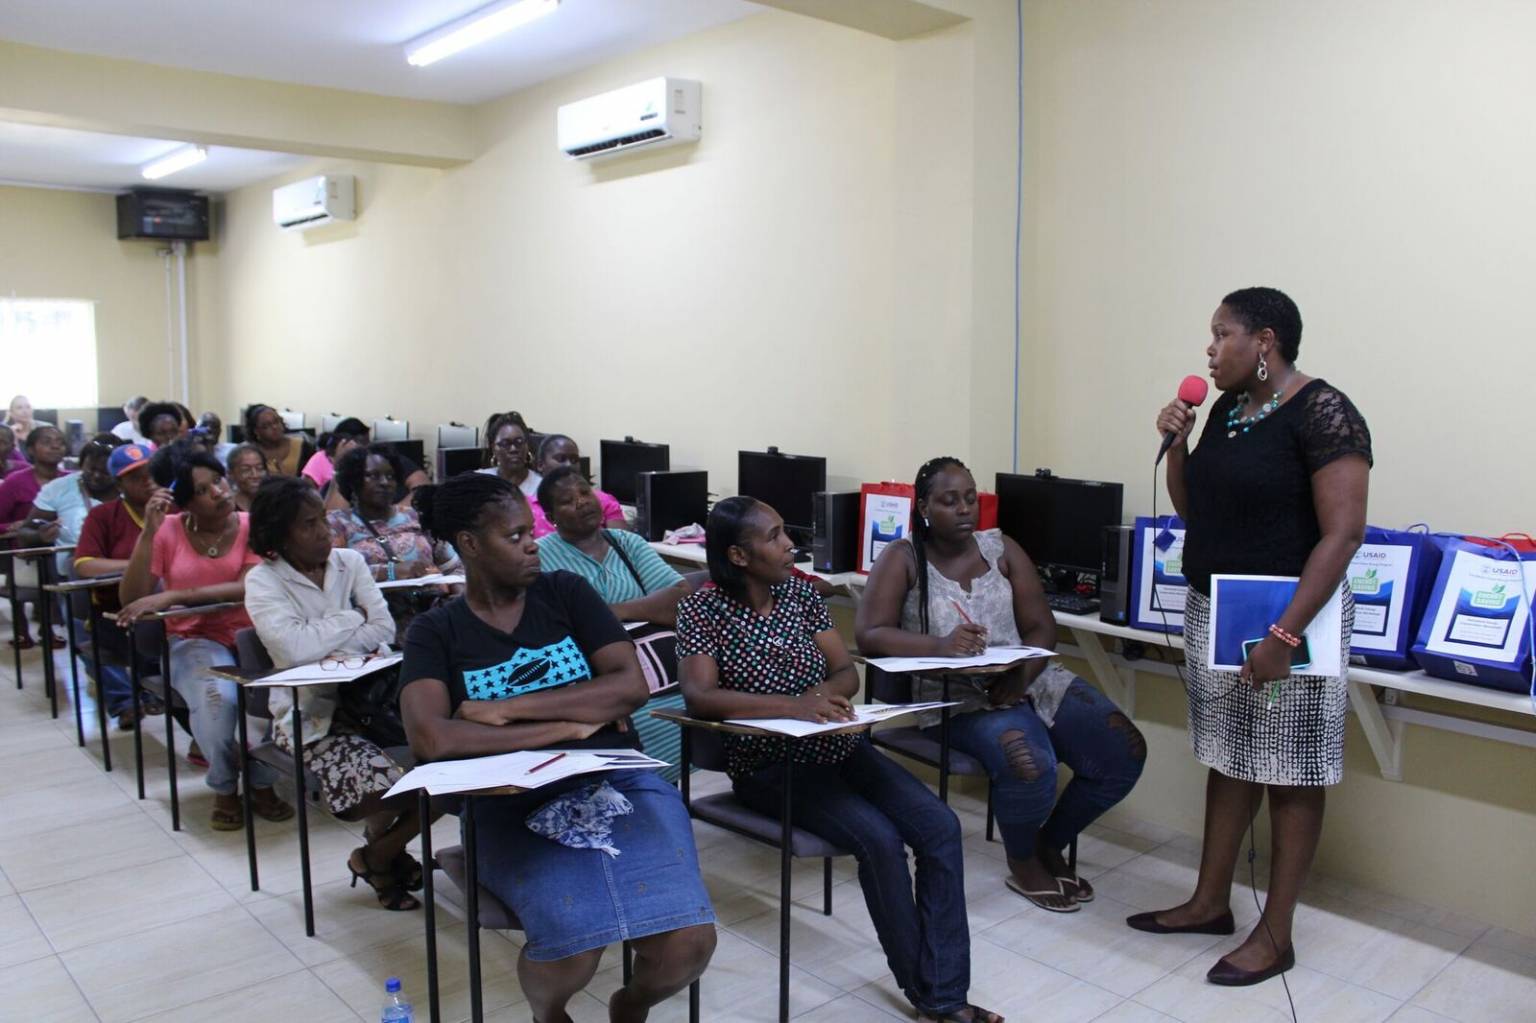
pixel 1072 603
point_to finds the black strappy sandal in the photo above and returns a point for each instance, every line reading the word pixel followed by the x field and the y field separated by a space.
pixel 408 869
pixel 977 1015
pixel 391 892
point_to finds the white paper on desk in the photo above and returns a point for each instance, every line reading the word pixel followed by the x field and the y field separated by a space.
pixel 313 674
pixel 517 769
pixel 421 580
pixel 866 714
pixel 995 656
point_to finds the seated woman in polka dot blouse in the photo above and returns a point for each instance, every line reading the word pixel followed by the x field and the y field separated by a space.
pixel 758 643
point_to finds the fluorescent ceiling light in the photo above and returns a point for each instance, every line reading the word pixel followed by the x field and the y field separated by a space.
pixel 474 29
pixel 175 160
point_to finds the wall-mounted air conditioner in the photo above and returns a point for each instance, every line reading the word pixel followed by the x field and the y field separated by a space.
pixel 314 201
pixel 659 112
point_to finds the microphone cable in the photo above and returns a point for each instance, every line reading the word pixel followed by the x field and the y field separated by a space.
pixel 1253 879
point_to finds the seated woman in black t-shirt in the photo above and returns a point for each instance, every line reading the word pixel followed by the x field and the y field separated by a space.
pixel 524 661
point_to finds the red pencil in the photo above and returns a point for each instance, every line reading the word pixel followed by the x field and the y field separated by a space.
pixel 962 612
pixel 546 763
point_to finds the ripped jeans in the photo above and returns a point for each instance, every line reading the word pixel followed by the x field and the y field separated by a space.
pixel 1090 735
pixel 215 716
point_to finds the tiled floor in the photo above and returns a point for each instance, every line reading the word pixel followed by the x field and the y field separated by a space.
pixel 107 914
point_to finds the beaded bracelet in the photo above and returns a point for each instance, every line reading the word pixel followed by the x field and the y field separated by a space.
pixel 1289 639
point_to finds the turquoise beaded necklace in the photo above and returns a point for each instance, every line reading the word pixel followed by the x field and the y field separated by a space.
pixel 1238 423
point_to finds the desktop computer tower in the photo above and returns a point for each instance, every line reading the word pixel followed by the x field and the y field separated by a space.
pixel 1115 577
pixel 667 500
pixel 835 531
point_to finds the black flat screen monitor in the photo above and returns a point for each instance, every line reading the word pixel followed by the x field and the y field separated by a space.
pixel 786 483
pixel 108 416
pixel 453 461
pixel 620 460
pixel 413 451
pixel 1059 522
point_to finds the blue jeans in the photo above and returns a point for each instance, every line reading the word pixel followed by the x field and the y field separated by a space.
pixel 1090 735
pixel 114 688
pixel 874 808
pixel 215 714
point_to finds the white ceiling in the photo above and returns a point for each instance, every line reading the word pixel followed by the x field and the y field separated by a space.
pixel 63 158
pixel 356 44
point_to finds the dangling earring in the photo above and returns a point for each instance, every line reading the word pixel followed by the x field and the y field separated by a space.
pixel 925 522
pixel 1263 368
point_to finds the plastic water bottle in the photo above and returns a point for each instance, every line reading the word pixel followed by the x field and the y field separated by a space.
pixel 396 1008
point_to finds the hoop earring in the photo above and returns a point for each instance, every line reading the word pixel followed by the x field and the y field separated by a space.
pixel 1263 368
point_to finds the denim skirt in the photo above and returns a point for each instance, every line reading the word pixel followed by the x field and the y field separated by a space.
pixel 572 900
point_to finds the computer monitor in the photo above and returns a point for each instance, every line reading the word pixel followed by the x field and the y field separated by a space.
pixel 786 483
pixel 292 421
pixel 620 460
pixel 1059 522
pixel 388 431
pixel 108 416
pixel 329 420
pixel 453 461
pixel 413 451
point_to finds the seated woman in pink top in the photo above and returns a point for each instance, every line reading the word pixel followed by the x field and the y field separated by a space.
pixel 11 457
pixel 45 446
pixel 346 435
pixel 200 556
pixel 555 451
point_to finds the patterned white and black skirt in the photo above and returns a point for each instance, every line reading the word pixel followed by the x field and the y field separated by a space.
pixel 1298 741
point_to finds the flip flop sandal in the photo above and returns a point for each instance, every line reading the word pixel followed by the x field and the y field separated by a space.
pixel 1037 898
pixel 1076 887
pixel 223 819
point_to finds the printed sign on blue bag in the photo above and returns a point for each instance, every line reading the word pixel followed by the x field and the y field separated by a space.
pixel 1475 628
pixel 1390 576
pixel 1157 575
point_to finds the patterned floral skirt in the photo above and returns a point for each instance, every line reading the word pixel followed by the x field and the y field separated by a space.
pixel 349 767
pixel 1298 741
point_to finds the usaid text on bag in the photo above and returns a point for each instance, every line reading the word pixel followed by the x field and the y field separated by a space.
pixel 1475 628
pixel 1157 575
pixel 1390 576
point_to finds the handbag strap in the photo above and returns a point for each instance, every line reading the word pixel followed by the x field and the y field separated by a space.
pixel 389 552
pixel 617 549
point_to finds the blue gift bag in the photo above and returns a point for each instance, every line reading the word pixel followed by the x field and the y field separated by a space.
pixel 1157 575
pixel 1476 624
pixel 1391 576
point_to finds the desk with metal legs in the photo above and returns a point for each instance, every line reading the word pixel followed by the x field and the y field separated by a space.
pixel 66 590
pixel 44 557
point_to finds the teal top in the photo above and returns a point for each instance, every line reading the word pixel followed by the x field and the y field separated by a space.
pixel 611 578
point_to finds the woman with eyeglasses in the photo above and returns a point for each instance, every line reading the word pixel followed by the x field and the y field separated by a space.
pixel 200 556
pixel 285 455
pixel 247 471
pixel 510 455
pixel 390 538
pixel 313 602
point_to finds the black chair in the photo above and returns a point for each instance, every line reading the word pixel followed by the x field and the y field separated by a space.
pixel 453 876
pixel 702 745
pixel 150 646
pixel 913 743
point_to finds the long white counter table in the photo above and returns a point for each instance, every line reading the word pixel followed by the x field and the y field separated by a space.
pixel 1374 694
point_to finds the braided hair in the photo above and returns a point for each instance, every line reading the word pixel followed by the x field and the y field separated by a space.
pixel 455 505
pixel 922 487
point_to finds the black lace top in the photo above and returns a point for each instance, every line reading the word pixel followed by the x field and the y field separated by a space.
pixel 1249 497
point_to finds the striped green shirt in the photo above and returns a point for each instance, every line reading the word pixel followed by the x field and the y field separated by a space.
pixel 611 578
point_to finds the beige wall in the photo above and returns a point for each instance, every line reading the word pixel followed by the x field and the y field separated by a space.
pixel 1372 159
pixel 59 244
pixel 800 277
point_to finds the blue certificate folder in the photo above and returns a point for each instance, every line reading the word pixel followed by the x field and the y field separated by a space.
pixel 1243 607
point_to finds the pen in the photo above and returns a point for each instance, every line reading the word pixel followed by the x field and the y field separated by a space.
pixel 967 617
pixel 551 760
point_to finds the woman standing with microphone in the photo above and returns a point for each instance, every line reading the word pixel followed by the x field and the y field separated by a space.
pixel 1277 486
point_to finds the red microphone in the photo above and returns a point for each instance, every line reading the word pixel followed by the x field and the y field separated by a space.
pixel 1192 392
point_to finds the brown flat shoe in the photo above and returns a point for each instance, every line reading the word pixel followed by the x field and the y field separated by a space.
pixel 226 815
pixel 268 806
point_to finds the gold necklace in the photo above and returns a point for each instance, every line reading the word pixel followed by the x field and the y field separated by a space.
pixel 213 548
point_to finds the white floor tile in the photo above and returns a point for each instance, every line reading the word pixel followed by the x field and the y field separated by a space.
pixel 21 941
pixel 117 904
pixel 1370 947
pixel 82 850
pixel 47 992
pixel 1484 985
pixel 177 964
pixel 293 997
pixel 1185 995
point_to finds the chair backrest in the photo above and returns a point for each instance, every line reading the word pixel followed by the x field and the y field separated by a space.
pixel 708 749
pixel 149 640
pixel 886 687
pixel 696 579
pixel 250 653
